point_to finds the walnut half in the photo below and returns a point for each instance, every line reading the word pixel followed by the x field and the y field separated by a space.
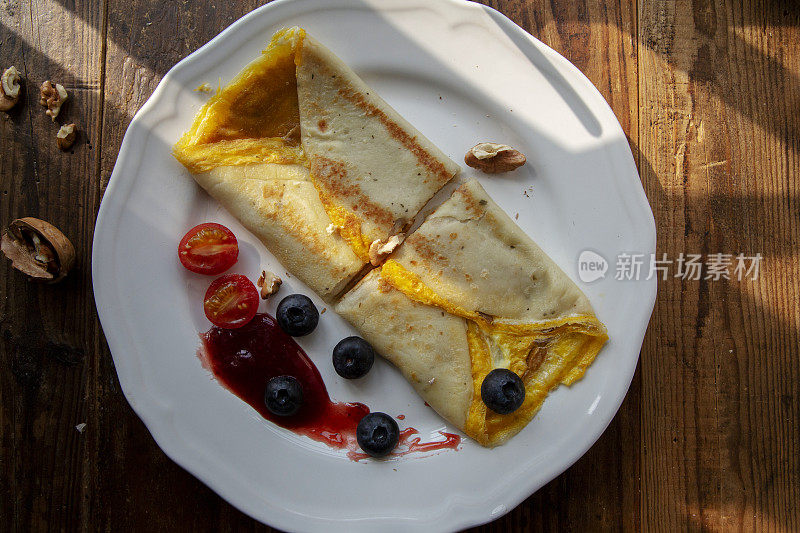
pixel 52 98
pixel 38 249
pixel 494 158
pixel 9 88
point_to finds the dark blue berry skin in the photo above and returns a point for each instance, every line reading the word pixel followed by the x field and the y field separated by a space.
pixel 377 434
pixel 297 315
pixel 502 391
pixel 284 395
pixel 353 357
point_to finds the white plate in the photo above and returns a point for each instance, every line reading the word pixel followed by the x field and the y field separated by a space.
pixel 461 73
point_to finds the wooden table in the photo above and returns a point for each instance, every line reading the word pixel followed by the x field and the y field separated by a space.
pixel 708 92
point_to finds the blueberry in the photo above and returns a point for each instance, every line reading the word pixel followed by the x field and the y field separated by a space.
pixel 353 357
pixel 502 391
pixel 377 434
pixel 284 395
pixel 297 315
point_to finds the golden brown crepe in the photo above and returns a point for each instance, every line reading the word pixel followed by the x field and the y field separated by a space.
pixel 469 292
pixel 281 207
pixel 373 170
pixel 428 345
pixel 316 168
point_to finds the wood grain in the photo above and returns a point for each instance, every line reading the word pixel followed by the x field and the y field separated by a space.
pixel 48 333
pixel 708 92
pixel 720 128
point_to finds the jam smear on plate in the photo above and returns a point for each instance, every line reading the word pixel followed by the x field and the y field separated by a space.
pixel 411 442
pixel 245 359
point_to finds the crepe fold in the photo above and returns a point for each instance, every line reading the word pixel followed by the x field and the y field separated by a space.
pixel 469 292
pixel 311 160
pixel 373 170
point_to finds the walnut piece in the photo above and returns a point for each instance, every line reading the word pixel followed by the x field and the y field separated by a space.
pixel 269 283
pixel 66 136
pixel 38 249
pixel 380 250
pixel 9 88
pixel 53 98
pixel 494 158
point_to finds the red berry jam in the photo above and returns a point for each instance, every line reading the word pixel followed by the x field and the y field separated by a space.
pixel 411 442
pixel 245 359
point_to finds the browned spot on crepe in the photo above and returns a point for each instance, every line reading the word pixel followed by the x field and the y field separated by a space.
pixel 332 177
pixel 473 205
pixel 426 248
pixel 409 142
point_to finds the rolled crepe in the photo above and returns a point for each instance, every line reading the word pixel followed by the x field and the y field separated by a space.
pixel 506 305
pixel 311 160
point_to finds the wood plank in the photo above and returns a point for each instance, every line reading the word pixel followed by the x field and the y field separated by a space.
pixel 47 331
pixel 720 136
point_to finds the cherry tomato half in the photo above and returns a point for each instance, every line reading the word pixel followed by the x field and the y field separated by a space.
pixel 231 301
pixel 208 249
